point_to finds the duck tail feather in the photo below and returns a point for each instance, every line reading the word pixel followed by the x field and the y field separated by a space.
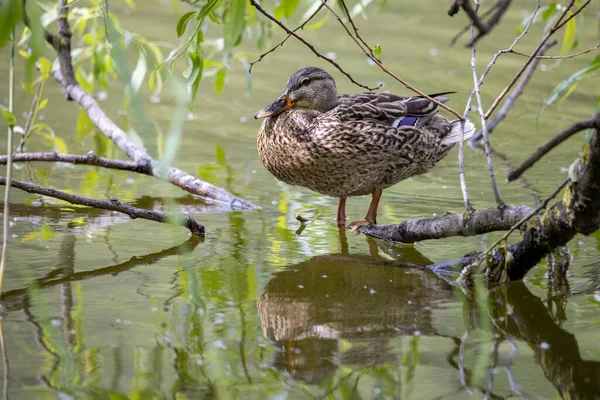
pixel 456 134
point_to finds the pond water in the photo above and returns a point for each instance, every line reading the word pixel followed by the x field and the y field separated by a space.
pixel 136 309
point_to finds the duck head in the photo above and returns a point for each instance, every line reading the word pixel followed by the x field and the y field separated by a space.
pixel 309 88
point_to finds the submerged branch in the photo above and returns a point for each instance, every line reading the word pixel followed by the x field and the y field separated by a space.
pixel 468 224
pixel 113 205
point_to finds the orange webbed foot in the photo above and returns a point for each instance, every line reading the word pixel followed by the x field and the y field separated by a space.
pixel 353 226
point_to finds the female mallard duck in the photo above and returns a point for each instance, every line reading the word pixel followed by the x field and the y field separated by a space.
pixel 351 145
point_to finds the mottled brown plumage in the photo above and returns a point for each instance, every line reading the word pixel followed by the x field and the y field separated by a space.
pixel 351 145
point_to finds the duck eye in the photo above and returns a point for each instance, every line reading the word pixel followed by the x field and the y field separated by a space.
pixel 304 82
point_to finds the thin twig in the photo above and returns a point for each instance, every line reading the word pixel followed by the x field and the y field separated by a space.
pixel 551 144
pixel 356 30
pixel 310 46
pixel 112 204
pixel 556 26
pixel 280 44
pixel 380 65
pixel 88 159
pixel 486 139
pixel 9 149
pixel 514 95
pixel 557 57
pixel 530 215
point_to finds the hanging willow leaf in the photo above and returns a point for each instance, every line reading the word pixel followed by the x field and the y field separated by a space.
pixel 183 21
pixel 233 24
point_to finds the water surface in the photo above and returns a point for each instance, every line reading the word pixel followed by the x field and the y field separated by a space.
pixel 138 309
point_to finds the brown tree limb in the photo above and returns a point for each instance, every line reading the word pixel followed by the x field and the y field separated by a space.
pixel 280 44
pixel 551 144
pixel 88 159
pixel 514 95
pixel 467 224
pixel 557 25
pixel 113 205
pixel 312 48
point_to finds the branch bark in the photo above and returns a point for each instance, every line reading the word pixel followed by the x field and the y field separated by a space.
pixel 88 159
pixel 468 224
pixel 113 205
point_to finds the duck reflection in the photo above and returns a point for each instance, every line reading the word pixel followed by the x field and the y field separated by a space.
pixel 343 309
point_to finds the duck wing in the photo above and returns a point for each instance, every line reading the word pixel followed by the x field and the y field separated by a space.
pixel 388 109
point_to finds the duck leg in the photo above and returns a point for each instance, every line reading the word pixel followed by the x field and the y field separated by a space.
pixel 371 217
pixel 341 212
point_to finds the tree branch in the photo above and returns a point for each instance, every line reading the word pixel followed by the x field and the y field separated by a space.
pixel 88 159
pixel 468 224
pixel 555 141
pixel 113 205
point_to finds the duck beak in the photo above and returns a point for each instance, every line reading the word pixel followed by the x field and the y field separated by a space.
pixel 279 106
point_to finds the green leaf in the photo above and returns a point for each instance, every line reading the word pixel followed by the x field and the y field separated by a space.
pixel 286 8
pixel 377 50
pixel 234 24
pixel 9 117
pixel 45 67
pixel 207 9
pixel 565 85
pixel 43 104
pixel 220 80
pixel 139 73
pixel 60 145
pixel 195 76
pixel 11 12
pixel 83 81
pixel 549 11
pixel 183 21
pixel 569 36
pixel 46 233
pixel 84 125
pixel 220 155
